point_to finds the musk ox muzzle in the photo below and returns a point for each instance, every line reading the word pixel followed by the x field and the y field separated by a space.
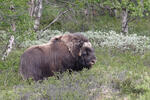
pixel 66 52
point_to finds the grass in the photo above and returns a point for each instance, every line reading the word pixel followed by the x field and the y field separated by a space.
pixel 117 75
pixel 140 26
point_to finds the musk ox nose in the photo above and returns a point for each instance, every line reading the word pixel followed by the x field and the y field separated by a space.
pixel 93 62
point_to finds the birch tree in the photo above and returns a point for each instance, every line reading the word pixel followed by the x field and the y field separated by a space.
pixel 35 11
pixel 31 8
pixel 130 9
pixel 124 22
pixel 9 48
pixel 37 14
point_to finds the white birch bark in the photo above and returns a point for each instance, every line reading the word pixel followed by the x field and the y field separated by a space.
pixel 31 9
pixel 9 48
pixel 125 21
pixel 37 14
pixel 116 13
pixel 13 26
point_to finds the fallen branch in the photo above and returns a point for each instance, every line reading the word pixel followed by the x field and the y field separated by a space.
pixel 9 47
pixel 60 14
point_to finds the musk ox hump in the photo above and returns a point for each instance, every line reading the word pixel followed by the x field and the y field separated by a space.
pixel 74 42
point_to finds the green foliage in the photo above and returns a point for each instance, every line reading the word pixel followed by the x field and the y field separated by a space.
pixel 16 11
pixel 48 15
pixel 75 20
pixel 10 62
pixel 136 8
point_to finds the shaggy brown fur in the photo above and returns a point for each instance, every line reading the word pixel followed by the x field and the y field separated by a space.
pixel 65 52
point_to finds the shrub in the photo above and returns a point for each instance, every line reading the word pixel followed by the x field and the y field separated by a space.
pixel 137 44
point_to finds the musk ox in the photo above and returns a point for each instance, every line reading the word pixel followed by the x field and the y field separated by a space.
pixel 66 52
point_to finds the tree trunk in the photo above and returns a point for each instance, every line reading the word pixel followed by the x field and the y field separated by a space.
pixel 116 13
pixel 125 21
pixel 142 4
pixel 13 23
pixel 13 26
pixel 9 48
pixel 31 9
pixel 37 14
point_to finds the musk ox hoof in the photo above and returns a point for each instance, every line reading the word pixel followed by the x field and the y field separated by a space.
pixel 66 52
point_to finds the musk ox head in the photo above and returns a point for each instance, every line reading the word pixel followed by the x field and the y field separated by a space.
pixel 80 47
pixel 65 52
pixel 86 55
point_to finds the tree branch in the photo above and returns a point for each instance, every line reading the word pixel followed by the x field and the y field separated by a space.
pixel 59 15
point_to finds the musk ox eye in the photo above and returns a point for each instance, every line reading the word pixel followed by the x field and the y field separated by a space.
pixel 85 53
pixel 75 38
pixel 88 50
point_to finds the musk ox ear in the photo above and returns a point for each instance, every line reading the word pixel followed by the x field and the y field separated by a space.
pixel 85 44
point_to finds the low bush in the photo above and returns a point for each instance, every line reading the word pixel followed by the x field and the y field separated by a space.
pixel 132 42
pixel 116 75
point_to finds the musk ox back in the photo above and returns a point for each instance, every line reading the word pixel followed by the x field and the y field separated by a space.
pixel 66 52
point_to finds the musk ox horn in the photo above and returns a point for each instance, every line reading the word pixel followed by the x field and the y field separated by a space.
pixel 87 44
